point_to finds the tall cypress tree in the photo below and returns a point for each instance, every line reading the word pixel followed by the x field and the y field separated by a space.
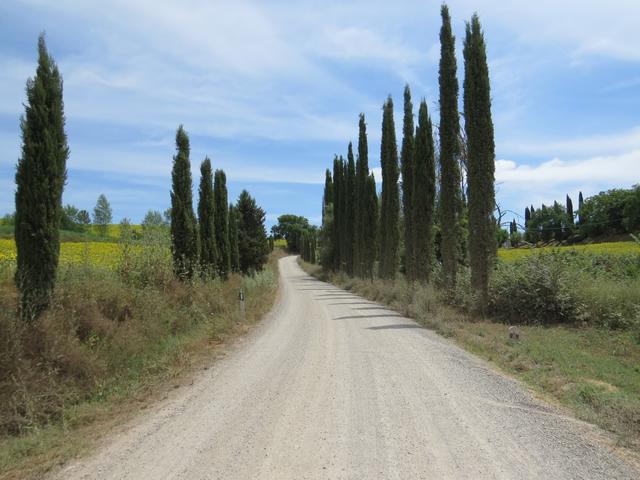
pixel 372 218
pixel 527 217
pixel 450 195
pixel 40 177
pixel 424 195
pixel 569 210
pixel 337 213
pixel 363 231
pixel 580 205
pixel 327 196
pixel 408 185
pixel 206 208
pixel 233 239
pixel 481 159
pixel 350 211
pixel 184 242
pixel 344 220
pixel 221 216
pixel 390 207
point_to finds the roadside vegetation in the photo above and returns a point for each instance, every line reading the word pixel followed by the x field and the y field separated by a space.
pixel 97 318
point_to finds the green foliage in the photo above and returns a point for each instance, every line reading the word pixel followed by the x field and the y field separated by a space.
pixel 548 223
pixel 338 212
pixel 450 177
pixel 153 219
pixel 480 159
pixel 233 239
pixel 221 220
pixel 184 246
pixel 408 167
pixel 568 287
pixel 40 177
pixel 350 211
pixel 390 202
pixel 327 196
pixel 252 237
pixel 289 227
pixel 364 252
pixel 206 221
pixel 102 215
pixel 424 195
pixel 611 212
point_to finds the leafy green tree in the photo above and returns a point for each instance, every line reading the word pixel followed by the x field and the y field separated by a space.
pixel 221 222
pixel 424 196
pixel 609 213
pixel 450 177
pixel 84 219
pixel 233 239
pixel 350 211
pixel 40 177
pixel 152 220
pixel 206 220
pixel 252 236
pixel 102 215
pixel 390 207
pixel 408 185
pixel 184 242
pixel 480 160
pixel 287 227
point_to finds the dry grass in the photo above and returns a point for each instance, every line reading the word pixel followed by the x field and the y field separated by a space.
pixel 112 341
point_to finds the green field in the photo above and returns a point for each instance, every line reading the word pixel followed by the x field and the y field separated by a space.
pixel 612 248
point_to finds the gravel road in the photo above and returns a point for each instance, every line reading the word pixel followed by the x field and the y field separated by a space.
pixel 332 386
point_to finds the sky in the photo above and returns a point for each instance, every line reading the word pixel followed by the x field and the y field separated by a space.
pixel 270 90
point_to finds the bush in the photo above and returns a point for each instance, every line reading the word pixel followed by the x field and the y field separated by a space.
pixel 568 287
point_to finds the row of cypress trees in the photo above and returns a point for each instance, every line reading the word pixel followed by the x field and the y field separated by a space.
pixel 350 197
pixel 210 244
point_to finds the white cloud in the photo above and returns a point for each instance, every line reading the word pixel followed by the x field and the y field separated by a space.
pixel 577 147
pixel 612 169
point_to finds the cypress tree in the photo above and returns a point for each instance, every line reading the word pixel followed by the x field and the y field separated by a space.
pixel 372 218
pixel 363 233
pixel 221 220
pixel 569 210
pixel 480 161
pixel 350 211
pixel 408 185
pixel 337 213
pixel 40 177
pixel 184 244
pixel 208 246
pixel 580 205
pixel 424 195
pixel 327 196
pixel 344 220
pixel 390 207
pixel 233 239
pixel 252 236
pixel 450 178
pixel 527 217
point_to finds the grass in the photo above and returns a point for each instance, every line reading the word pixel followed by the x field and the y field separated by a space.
pixel 612 248
pixel 113 341
pixel 593 372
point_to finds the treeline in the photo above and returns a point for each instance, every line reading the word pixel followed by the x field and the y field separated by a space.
pixel 365 234
pixel 301 237
pixel 223 239
pixel 609 213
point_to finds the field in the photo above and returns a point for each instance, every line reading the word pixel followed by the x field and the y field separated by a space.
pixel 100 254
pixel 612 248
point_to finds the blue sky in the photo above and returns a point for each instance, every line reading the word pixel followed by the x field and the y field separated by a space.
pixel 270 90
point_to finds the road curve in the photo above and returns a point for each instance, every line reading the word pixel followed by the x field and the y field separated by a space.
pixel 332 386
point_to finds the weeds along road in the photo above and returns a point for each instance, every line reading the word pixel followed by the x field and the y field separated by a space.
pixel 332 386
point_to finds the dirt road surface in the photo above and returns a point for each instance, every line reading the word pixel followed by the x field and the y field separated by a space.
pixel 332 386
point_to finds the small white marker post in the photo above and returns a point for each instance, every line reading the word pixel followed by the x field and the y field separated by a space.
pixel 241 298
